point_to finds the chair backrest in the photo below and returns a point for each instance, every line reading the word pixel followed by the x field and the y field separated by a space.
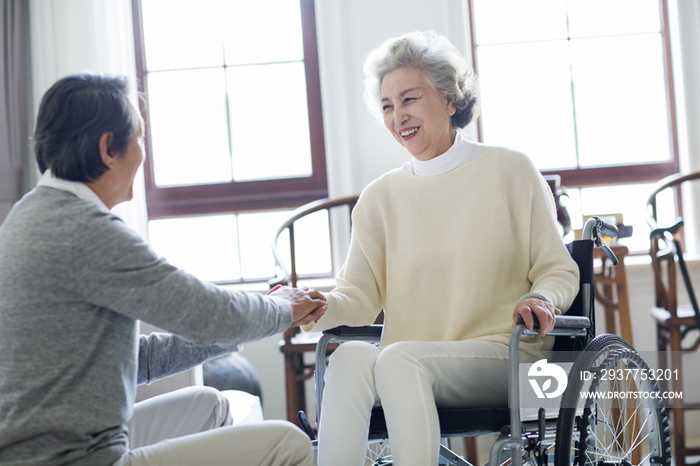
pixel 289 275
pixel 582 253
pixel 662 249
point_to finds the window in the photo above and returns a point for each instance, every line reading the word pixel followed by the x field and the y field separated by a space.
pixel 234 114
pixel 230 249
pixel 584 88
pixel 234 135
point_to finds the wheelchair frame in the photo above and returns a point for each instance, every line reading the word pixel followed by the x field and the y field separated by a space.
pixel 570 419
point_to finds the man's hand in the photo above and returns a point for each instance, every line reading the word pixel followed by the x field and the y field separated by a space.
pixel 307 305
pixel 542 309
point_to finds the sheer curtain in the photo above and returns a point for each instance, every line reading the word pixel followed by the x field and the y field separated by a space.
pixel 72 36
pixel 14 100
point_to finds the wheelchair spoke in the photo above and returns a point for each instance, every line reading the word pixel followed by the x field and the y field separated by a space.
pixel 615 434
pixel 624 429
pixel 379 454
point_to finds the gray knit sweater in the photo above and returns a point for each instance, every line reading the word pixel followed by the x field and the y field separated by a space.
pixel 73 281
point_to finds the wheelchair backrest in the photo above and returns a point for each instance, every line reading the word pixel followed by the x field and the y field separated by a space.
pixel 582 252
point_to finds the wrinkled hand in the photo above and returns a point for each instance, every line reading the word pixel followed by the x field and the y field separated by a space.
pixel 542 309
pixel 307 305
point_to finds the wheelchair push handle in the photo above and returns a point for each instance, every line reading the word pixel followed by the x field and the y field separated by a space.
pixel 594 229
pixel 595 226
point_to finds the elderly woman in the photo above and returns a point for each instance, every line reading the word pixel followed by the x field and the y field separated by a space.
pixel 454 246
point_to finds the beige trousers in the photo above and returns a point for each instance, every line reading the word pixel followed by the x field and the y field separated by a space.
pixel 410 378
pixel 191 427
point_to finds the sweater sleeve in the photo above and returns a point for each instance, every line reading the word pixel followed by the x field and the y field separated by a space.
pixel 553 273
pixel 163 354
pixel 357 297
pixel 115 270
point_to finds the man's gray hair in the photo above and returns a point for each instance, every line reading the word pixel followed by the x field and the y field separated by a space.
pixel 444 66
pixel 73 115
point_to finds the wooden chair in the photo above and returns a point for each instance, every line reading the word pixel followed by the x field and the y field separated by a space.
pixel 675 324
pixel 294 345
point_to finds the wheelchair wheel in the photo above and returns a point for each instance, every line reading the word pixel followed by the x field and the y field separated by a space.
pixel 378 454
pixel 608 414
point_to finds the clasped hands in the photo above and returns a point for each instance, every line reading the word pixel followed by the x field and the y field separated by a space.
pixel 543 310
pixel 307 305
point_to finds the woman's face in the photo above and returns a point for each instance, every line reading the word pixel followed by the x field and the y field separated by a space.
pixel 415 114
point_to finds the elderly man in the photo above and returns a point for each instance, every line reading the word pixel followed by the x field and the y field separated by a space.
pixel 73 283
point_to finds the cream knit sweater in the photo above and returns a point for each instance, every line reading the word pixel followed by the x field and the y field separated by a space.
pixel 448 257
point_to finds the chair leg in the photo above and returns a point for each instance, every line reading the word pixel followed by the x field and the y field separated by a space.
pixel 470 448
pixel 662 353
pixel 678 415
pixel 296 399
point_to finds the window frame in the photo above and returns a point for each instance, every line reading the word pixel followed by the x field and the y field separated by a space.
pixel 240 196
pixel 624 173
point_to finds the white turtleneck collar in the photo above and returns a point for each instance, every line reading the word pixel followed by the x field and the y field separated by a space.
pixel 81 190
pixel 461 152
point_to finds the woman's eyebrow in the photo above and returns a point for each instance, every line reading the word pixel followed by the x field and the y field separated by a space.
pixel 403 93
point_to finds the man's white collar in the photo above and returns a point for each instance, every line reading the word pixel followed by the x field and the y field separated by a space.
pixel 79 189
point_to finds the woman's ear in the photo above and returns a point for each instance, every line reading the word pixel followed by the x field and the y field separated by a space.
pixel 105 152
pixel 451 107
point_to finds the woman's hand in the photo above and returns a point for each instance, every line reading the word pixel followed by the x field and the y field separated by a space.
pixel 307 305
pixel 544 311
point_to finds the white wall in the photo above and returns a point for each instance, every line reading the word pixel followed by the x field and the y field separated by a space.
pixel 687 79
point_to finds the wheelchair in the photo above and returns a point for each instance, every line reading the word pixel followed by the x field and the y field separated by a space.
pixel 590 428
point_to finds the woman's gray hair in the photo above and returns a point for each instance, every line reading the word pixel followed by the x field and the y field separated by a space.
pixel 444 66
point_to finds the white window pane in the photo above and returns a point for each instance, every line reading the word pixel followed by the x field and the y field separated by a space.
pixel 206 247
pixel 188 127
pixel 313 246
pixel 589 18
pixel 666 212
pixel 183 34
pixel 256 233
pixel 526 101
pixel 263 31
pixel 269 121
pixel 620 100
pixel 504 21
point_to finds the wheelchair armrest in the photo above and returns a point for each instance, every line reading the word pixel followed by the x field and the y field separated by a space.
pixel 370 333
pixel 564 321
pixel 374 330
pixel 563 325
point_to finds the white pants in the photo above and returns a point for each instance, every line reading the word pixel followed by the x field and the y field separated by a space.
pixel 409 378
pixel 191 427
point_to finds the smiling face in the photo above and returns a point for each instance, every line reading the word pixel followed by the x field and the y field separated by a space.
pixel 415 114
